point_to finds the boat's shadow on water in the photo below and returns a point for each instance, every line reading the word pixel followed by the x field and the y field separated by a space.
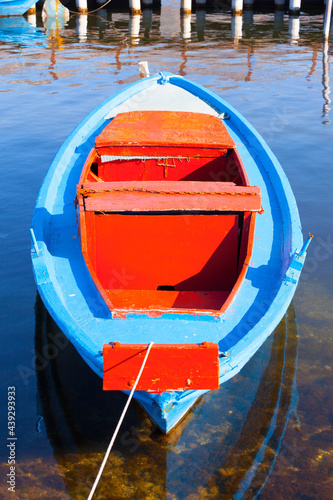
pixel 225 447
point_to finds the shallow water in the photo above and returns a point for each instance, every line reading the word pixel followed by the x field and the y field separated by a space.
pixel 265 432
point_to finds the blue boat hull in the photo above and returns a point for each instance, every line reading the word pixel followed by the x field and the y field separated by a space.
pixel 68 290
pixel 15 7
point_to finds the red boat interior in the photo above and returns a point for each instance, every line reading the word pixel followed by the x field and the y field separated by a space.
pixel 166 214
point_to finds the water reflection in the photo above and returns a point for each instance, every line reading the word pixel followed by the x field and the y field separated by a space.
pixel 236 27
pixel 134 28
pixel 294 27
pixel 185 26
pixel 225 447
pixel 278 21
pixel 254 33
pixel 326 86
pixel 82 27
pixel 147 22
pixel 250 62
pixel 20 31
pixel 200 25
pixel 168 24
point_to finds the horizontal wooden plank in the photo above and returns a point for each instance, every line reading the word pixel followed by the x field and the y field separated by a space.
pixel 169 367
pixel 165 128
pixel 158 152
pixel 186 187
pixel 133 196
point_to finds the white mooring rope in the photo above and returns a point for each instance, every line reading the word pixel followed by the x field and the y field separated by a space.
pixel 150 345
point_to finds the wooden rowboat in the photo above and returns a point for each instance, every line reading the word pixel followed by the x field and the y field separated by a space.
pixel 183 232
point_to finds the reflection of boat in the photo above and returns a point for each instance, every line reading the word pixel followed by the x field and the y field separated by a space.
pixel 226 445
pixel 18 30
pixel 15 7
pixel 146 270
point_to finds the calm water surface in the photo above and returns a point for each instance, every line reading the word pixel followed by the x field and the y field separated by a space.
pixel 266 433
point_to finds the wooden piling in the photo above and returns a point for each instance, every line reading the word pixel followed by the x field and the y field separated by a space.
pixel 185 7
pixel 200 4
pixel 294 7
pixel 327 20
pixel 280 4
pixel 135 6
pixel 82 6
pixel 147 4
pixel 237 7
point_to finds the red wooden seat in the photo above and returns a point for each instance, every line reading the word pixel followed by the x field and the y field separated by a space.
pixel 151 196
pixel 164 129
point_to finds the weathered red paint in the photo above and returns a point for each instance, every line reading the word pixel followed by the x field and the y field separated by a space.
pixel 164 128
pixel 169 367
pixel 147 196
